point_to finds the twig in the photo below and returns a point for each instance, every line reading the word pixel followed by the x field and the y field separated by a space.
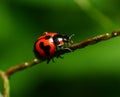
pixel 6 85
pixel 19 67
pixel 73 47
pixel 94 40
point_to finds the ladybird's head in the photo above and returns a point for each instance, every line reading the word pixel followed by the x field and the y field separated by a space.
pixel 68 38
pixel 60 40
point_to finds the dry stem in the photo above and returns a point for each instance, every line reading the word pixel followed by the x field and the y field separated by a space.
pixel 6 85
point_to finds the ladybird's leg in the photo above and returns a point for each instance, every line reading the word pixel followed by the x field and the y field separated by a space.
pixel 61 57
pixel 53 60
pixel 66 45
pixel 68 49
pixel 48 60
pixel 65 48
pixel 58 52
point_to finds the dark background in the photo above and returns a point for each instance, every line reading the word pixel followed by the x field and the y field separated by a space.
pixel 90 72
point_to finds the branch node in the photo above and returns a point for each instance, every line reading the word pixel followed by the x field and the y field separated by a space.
pixel 26 63
pixel 115 33
pixel 36 60
pixel 107 34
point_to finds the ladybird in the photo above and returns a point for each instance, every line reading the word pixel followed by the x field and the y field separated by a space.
pixel 49 44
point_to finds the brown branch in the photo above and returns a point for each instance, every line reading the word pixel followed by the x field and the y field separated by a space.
pixel 6 85
pixel 94 40
pixel 73 47
pixel 19 67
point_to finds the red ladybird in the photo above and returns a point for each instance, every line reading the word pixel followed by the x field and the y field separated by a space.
pixel 47 45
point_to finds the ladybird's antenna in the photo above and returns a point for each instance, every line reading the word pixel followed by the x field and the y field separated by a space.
pixel 44 33
pixel 71 41
pixel 71 36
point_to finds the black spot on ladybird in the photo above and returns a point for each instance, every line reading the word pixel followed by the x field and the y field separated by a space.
pixel 47 37
pixel 46 49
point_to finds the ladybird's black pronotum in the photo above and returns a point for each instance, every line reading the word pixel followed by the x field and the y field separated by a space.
pixel 48 45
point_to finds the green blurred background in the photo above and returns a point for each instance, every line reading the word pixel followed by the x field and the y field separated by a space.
pixel 90 72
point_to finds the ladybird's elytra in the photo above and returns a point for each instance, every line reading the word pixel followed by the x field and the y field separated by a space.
pixel 46 46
